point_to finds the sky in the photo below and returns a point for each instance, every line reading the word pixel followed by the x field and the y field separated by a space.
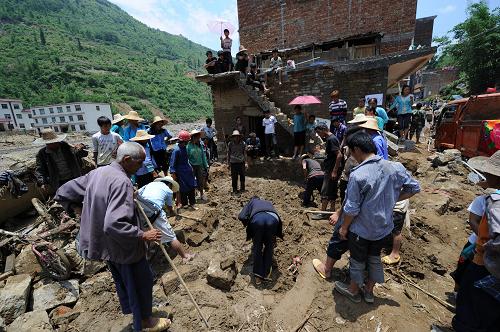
pixel 192 18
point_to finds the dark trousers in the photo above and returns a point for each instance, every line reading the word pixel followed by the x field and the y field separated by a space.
pixel 264 227
pixel 161 160
pixel 337 246
pixel 134 285
pixel 270 144
pixel 237 169
pixel 212 148
pixel 342 190
pixel 477 311
pixel 314 183
pixel 143 180
pixel 188 198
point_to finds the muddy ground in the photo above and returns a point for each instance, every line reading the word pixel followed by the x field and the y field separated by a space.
pixel 430 250
pixel 429 253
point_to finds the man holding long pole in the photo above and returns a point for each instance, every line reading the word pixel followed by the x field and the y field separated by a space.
pixel 110 231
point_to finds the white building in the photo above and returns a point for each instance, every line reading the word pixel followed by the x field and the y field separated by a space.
pixel 13 116
pixel 70 116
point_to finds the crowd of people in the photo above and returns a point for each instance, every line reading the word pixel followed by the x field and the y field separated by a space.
pixel 167 174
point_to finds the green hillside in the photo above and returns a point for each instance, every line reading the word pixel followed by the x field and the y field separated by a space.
pixel 54 51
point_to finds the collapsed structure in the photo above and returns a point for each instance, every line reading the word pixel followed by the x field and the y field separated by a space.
pixel 360 48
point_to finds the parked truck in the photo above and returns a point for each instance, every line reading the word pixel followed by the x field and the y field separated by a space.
pixel 471 125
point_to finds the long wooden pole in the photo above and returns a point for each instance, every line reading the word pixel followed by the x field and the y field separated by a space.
pixel 173 266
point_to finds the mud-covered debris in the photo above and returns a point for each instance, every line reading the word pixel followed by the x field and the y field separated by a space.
pixel 26 262
pixel 55 294
pixel 218 278
pixel 31 321
pixel 170 281
pixel 63 315
pixel 14 297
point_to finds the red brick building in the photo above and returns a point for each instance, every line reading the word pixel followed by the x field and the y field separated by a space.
pixel 268 24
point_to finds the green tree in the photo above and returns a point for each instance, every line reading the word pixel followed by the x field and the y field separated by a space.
pixel 42 37
pixel 475 49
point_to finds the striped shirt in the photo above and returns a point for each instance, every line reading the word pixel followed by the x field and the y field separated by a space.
pixel 338 109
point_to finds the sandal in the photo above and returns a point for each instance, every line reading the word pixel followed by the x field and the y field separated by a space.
pixel 317 263
pixel 389 261
pixel 162 325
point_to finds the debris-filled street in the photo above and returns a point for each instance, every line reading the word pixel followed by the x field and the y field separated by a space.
pixel 418 292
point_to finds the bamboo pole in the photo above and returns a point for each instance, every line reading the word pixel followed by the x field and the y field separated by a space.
pixel 174 267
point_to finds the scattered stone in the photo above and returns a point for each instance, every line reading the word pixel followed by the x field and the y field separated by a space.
pixel 14 297
pixel 33 321
pixel 170 281
pixel 63 315
pixel 339 320
pixel 10 263
pixel 227 263
pixel 442 159
pixel 196 239
pixel 218 278
pixel 26 262
pixel 453 152
pixel 55 294
pixel 409 161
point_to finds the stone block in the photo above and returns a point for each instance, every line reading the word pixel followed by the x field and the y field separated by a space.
pixel 55 294
pixel 26 262
pixel 170 281
pixel 33 321
pixel 10 263
pixel 221 279
pixel 195 239
pixel 14 297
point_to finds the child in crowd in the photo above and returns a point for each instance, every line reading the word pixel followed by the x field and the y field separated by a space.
pixel 226 43
pixel 417 122
pixel 210 63
pixel 360 109
pixel 146 174
pixel 159 143
pixel 210 133
pixel 236 159
pixel 270 135
pixel 182 172
pixel 275 66
pixel 253 145
pixel 198 160
pixel 253 79
pixel 314 176
pixel 238 125
pixel 105 143
pixel 299 131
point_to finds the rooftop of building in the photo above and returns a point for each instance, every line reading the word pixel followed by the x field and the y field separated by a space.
pixel 73 103
pixel 5 100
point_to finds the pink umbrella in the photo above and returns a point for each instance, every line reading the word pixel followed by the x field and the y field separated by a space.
pixel 219 26
pixel 305 100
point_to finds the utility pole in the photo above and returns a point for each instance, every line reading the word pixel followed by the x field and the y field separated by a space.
pixel 282 12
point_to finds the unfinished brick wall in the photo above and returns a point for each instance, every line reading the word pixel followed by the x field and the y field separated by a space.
pixel 321 81
pixel 308 21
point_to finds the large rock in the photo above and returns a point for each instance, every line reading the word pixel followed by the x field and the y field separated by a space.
pixel 195 239
pixel 55 294
pixel 14 297
pixel 442 159
pixel 219 278
pixel 26 262
pixel 170 281
pixel 33 321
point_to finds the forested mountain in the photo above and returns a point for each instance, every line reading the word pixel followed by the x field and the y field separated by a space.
pixel 54 51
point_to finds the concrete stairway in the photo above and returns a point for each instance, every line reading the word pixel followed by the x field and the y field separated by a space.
pixel 265 104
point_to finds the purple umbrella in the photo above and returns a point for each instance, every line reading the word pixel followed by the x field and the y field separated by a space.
pixel 219 26
pixel 305 100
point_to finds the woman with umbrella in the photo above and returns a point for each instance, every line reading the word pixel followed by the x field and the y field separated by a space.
pixel 299 122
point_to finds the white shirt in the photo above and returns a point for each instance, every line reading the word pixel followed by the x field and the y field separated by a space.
pixel 268 124
pixel 478 206
pixel 158 193
pixel 105 146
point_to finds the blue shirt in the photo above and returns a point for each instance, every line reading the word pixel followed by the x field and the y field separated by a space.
pixel 130 132
pixel 158 193
pixel 209 132
pixel 403 104
pixel 382 114
pixel 339 131
pixel 381 145
pixel 373 190
pixel 158 142
pixel 180 166
pixel 117 129
pixel 148 165
pixel 299 123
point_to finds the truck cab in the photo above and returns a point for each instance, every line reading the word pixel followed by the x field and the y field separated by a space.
pixel 471 125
